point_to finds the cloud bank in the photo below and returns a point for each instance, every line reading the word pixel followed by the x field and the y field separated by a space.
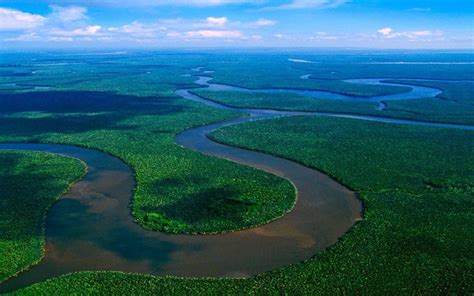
pixel 13 20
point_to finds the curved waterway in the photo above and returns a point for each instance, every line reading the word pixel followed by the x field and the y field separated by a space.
pixel 416 92
pixel 91 227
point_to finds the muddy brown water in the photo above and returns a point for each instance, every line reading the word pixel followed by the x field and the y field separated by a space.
pixel 91 227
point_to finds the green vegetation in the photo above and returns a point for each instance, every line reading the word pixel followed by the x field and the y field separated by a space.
pixel 275 71
pixel 118 283
pixel 265 78
pixel 285 101
pixel 178 190
pixel 317 142
pixel 417 189
pixel 355 89
pixel 256 70
pixel 140 75
pixel 415 237
pixel 161 74
pixel 416 182
pixel 30 182
pixel 455 104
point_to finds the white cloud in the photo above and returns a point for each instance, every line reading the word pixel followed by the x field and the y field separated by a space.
pixel 301 4
pixel 64 24
pixel 207 34
pixel 258 24
pixel 323 36
pixel 389 33
pixel 221 22
pixel 68 13
pixel 210 22
pixel 151 3
pixel 214 34
pixel 173 35
pixel 60 39
pixel 292 4
pixel 59 26
pixel 421 33
pixel 87 31
pixel 135 28
pixel 138 29
pixel 201 2
pixel 256 37
pixel 15 20
pixel 217 21
pixel 195 2
pixel 25 37
pixel 385 31
pixel 264 22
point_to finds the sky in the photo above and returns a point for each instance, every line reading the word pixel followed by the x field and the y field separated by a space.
pixel 432 24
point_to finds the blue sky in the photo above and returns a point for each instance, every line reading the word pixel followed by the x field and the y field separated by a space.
pixel 236 23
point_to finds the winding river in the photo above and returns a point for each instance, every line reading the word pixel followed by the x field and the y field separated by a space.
pixel 91 228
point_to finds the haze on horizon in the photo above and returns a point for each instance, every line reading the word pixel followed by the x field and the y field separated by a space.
pixel 155 24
